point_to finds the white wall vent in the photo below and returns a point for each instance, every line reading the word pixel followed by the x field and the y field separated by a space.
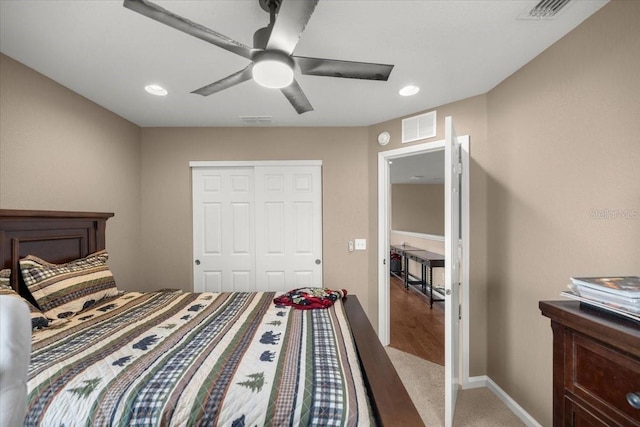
pixel 419 127
pixel 545 9
pixel 256 120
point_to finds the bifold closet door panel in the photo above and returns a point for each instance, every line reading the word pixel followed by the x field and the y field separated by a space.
pixel 288 227
pixel 223 225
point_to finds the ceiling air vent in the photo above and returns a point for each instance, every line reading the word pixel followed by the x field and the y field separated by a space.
pixel 545 9
pixel 256 120
pixel 419 127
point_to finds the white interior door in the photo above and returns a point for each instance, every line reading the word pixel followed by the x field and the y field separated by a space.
pixel 452 332
pixel 223 228
pixel 452 179
pixel 288 227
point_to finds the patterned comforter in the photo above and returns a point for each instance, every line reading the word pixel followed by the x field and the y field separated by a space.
pixel 186 359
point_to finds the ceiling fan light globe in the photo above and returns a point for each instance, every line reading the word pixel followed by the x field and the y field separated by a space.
pixel 272 74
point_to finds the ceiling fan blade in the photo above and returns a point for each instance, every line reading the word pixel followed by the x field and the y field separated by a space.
pixel 164 16
pixel 297 98
pixel 345 69
pixel 293 16
pixel 231 80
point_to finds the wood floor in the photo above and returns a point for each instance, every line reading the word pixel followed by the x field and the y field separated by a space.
pixel 416 328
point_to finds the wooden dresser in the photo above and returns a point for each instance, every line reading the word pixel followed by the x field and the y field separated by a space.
pixel 596 366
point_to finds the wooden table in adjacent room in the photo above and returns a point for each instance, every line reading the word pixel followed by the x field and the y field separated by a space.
pixel 401 250
pixel 428 260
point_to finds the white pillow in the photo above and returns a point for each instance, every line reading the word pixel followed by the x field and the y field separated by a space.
pixel 15 351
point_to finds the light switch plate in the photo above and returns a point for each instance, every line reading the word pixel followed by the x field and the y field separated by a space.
pixel 361 244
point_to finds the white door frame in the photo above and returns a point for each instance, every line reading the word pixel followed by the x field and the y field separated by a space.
pixel 384 188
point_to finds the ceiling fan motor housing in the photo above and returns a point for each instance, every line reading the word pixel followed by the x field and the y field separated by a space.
pixel 274 55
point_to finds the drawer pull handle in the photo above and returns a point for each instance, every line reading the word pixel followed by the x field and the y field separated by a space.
pixel 634 399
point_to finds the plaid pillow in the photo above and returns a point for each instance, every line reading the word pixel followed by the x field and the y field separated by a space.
pixel 38 320
pixel 62 290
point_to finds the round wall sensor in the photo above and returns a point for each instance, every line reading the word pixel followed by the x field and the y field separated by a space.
pixel 383 138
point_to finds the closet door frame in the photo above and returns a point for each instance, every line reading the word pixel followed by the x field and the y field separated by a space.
pixel 199 271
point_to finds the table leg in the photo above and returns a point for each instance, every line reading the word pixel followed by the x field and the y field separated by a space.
pixel 430 287
pixel 405 270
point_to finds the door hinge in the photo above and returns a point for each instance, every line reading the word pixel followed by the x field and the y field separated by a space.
pixel 459 311
pixel 458 168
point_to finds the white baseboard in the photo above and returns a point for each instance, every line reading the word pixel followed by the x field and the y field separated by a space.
pixel 476 382
pixel 485 381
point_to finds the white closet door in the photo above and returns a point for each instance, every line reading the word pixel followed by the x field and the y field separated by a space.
pixel 257 227
pixel 223 228
pixel 288 227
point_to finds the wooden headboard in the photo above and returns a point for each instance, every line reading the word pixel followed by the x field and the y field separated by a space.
pixel 55 236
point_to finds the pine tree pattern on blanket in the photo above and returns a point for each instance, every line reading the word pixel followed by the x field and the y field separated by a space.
pixel 174 358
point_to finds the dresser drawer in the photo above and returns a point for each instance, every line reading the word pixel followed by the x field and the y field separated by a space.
pixel 580 416
pixel 600 377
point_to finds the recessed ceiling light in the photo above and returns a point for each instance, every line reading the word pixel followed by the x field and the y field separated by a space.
pixel 156 90
pixel 409 90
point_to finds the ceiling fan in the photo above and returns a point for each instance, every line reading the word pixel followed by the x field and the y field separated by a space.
pixel 272 60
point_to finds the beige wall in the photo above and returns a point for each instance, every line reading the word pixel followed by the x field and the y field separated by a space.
pixel 470 118
pixel 166 193
pixel 418 208
pixel 563 136
pixel 551 147
pixel 60 151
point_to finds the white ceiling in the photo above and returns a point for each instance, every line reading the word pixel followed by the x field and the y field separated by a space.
pixel 426 168
pixel 452 49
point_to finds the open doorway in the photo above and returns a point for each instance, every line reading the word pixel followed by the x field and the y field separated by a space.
pixel 384 194
pixel 456 261
pixel 417 227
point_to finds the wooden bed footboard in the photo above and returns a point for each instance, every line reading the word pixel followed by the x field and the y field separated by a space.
pixel 391 403
pixel 59 236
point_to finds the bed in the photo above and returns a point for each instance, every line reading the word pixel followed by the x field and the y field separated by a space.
pixel 179 358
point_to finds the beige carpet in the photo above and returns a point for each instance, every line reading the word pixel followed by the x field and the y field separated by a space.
pixel 425 383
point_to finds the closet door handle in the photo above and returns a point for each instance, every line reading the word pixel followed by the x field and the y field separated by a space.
pixel 318 262
pixel 197 262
